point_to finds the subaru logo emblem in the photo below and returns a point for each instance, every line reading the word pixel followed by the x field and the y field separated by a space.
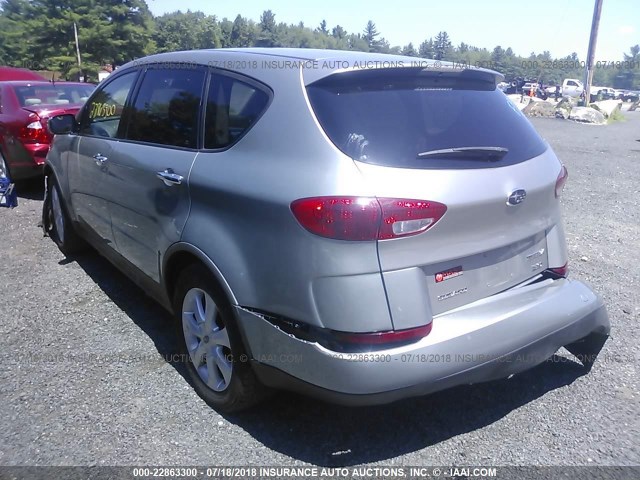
pixel 516 197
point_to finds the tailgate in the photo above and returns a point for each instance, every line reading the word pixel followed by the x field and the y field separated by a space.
pixel 482 245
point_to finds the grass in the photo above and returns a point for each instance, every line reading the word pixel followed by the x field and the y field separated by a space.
pixel 616 116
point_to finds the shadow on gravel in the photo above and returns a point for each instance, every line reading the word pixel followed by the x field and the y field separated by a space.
pixel 330 435
pixel 145 312
pixel 334 436
pixel 30 189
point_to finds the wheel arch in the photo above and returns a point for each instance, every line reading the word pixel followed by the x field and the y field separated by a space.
pixel 179 256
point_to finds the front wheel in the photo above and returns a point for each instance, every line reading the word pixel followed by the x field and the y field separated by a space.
pixel 211 345
pixel 56 222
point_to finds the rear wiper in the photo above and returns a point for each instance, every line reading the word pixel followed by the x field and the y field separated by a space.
pixel 481 153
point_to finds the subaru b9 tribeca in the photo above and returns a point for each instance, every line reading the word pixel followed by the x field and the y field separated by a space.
pixel 359 227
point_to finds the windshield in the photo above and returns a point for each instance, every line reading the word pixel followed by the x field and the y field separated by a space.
pixel 50 94
pixel 396 118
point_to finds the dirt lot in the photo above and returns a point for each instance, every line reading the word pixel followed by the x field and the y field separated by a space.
pixel 82 381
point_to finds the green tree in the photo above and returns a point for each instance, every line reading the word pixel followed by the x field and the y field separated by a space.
pixel 268 30
pixel 240 33
pixel 630 75
pixel 442 45
pixel 109 32
pixel 338 32
pixel 427 49
pixel 186 31
pixel 323 27
pixel 14 45
pixel 498 58
pixel 409 50
pixel 370 35
pixel 357 43
pixel 226 27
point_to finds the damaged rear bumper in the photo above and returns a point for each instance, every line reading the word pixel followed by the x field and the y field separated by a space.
pixel 486 340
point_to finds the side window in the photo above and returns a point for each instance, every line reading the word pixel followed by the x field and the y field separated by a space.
pixel 166 110
pixel 102 113
pixel 233 106
pixel 572 84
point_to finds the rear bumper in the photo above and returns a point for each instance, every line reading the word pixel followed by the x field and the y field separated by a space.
pixel 30 163
pixel 489 339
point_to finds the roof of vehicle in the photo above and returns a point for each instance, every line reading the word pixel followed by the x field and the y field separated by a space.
pixel 317 63
pixel 30 83
pixel 11 73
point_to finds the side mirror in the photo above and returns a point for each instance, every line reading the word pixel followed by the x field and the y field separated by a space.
pixel 62 124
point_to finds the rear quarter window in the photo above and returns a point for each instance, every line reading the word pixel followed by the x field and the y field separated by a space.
pixel 233 107
pixel 391 117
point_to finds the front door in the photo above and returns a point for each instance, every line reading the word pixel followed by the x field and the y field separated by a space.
pixel 88 168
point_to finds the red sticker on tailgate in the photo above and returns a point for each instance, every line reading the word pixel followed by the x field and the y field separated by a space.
pixel 448 274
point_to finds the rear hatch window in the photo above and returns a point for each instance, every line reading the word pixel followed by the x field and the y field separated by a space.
pixel 53 94
pixel 415 118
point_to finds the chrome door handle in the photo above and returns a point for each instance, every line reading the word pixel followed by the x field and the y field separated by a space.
pixel 100 159
pixel 169 177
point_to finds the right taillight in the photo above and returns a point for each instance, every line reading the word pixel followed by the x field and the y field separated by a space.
pixel 366 218
pixel 371 340
pixel 561 180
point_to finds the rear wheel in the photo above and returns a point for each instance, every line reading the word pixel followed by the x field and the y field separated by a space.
pixel 213 353
pixel 57 223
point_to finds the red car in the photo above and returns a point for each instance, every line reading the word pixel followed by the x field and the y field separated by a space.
pixel 25 108
pixel 12 73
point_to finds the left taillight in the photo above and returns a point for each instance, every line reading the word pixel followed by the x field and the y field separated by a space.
pixel 562 271
pixel 366 218
pixel 34 131
pixel 561 180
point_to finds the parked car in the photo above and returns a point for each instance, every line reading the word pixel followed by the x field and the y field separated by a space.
pixel 342 231
pixel 601 93
pixel 631 96
pixel 619 94
pixel 529 88
pixel 25 108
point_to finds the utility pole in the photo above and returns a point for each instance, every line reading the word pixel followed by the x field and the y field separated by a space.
pixel 593 38
pixel 75 32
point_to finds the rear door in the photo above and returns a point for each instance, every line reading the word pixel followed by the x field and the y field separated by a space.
pixel 148 171
pixel 453 139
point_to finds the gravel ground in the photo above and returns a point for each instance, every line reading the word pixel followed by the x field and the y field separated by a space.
pixel 82 382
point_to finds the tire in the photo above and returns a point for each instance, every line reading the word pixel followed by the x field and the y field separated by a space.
pixel 211 345
pixel 56 222
pixel 4 167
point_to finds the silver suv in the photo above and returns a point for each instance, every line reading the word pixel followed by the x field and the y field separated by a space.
pixel 359 227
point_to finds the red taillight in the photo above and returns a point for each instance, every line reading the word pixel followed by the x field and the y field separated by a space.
pixel 366 218
pixel 402 217
pixel 34 132
pixel 389 337
pixel 561 271
pixel 562 179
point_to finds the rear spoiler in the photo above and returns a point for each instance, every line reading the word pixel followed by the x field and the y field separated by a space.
pixel 317 70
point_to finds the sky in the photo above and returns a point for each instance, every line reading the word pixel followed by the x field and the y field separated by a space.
pixel 559 26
